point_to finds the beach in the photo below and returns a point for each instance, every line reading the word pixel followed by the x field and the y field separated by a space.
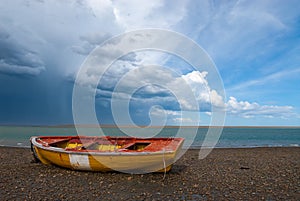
pixel 225 174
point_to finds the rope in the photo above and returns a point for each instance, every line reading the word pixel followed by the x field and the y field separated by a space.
pixel 164 160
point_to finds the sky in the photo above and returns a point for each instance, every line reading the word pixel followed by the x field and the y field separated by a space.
pixel 254 46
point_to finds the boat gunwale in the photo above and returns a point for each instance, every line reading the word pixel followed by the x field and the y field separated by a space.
pixel 99 153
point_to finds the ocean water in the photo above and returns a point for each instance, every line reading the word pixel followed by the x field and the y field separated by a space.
pixel 231 137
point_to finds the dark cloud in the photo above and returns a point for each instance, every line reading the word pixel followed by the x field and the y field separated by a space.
pixel 19 70
pixel 95 38
pixel 89 42
pixel 3 34
pixel 17 59
pixel 83 49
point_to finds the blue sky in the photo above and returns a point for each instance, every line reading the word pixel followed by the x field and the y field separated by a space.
pixel 255 46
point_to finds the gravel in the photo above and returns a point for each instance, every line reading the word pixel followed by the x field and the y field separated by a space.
pixel 226 174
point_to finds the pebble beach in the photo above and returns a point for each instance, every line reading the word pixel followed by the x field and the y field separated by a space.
pixel 225 174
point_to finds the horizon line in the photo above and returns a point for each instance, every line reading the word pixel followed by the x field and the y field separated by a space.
pixel 145 126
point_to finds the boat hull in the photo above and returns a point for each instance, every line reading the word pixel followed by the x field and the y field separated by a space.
pixel 128 162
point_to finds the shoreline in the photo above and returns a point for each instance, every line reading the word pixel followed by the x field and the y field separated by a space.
pixel 269 173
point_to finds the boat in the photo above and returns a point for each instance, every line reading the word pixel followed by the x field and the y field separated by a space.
pixel 93 153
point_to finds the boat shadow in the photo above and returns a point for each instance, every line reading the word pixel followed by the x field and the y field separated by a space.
pixel 177 169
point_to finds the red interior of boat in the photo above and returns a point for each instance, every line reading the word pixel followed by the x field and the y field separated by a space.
pixel 121 144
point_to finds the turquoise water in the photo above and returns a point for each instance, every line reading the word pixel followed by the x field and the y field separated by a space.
pixel 231 137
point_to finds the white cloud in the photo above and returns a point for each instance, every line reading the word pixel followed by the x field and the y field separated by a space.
pixel 203 92
pixel 184 118
pixel 187 88
pixel 161 86
pixel 155 14
pixel 123 16
pixel 154 84
pixel 110 54
pixel 248 110
pixel 99 7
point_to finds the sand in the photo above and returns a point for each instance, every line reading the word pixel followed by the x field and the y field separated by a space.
pixel 226 174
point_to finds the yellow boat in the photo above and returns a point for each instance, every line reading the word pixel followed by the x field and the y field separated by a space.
pixel 124 154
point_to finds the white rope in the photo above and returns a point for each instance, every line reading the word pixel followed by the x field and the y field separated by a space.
pixel 165 168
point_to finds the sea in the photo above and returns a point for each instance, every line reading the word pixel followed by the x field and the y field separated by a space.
pixel 230 137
